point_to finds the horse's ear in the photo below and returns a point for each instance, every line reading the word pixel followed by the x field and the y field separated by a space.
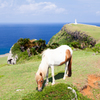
pixel 40 74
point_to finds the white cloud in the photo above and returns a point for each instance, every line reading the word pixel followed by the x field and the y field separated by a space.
pixel 60 10
pixel 29 0
pixel 29 7
pixel 49 6
pixel 3 4
pixel 40 7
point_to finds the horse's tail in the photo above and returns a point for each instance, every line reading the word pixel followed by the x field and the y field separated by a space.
pixel 69 67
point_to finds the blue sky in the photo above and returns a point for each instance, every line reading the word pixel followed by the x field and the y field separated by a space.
pixel 49 11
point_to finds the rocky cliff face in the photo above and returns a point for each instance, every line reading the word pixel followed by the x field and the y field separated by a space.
pixel 11 59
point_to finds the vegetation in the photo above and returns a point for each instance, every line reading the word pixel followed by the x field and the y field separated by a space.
pixel 53 45
pixel 3 61
pixel 90 30
pixel 78 36
pixel 25 48
pixel 57 92
pixel 18 81
pixel 77 39
pixel 96 48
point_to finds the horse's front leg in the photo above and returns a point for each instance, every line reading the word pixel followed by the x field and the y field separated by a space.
pixel 47 81
pixel 53 79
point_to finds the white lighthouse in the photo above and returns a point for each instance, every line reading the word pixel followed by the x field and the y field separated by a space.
pixel 75 22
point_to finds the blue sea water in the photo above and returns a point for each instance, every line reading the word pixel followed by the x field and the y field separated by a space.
pixel 10 33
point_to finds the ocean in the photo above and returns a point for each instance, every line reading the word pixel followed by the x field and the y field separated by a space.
pixel 10 33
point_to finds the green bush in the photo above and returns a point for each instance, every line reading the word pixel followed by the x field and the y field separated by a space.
pixel 23 42
pixel 56 92
pixel 75 44
pixel 76 39
pixel 22 47
pixel 96 48
pixel 15 49
pixel 53 46
pixel 33 51
pixel 23 56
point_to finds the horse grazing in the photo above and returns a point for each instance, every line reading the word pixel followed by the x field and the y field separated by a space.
pixel 51 58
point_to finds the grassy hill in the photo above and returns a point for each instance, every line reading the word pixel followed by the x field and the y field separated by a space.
pixel 18 81
pixel 90 30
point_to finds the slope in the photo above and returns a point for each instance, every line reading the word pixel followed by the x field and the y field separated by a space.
pixel 90 30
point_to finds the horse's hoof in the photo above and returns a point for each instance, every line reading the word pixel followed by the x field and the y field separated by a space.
pixel 53 83
pixel 64 78
pixel 46 84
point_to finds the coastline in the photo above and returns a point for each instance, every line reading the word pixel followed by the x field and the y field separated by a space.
pixel 4 55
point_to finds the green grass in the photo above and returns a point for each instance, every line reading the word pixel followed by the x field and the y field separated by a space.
pixel 22 76
pixel 56 92
pixel 90 30
pixel 3 61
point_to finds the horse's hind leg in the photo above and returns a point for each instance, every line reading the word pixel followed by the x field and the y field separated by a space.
pixel 69 67
pixel 66 70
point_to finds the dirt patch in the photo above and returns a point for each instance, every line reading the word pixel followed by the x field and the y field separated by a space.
pixel 93 82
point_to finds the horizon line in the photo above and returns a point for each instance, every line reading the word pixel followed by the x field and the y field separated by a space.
pixel 44 22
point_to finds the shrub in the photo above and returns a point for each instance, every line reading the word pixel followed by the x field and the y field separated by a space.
pixel 23 56
pixel 78 39
pixel 56 92
pixel 25 48
pixel 75 44
pixel 24 42
pixel 53 45
pixel 33 51
pixel 41 42
pixel 96 48
pixel 15 49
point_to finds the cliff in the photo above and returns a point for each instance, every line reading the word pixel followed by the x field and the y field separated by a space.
pixel 81 34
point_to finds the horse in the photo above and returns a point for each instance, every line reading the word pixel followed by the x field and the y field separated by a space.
pixel 54 57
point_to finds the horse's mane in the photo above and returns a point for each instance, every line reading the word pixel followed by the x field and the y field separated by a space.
pixel 43 65
pixel 45 52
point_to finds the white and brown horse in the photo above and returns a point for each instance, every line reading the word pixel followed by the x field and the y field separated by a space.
pixel 51 58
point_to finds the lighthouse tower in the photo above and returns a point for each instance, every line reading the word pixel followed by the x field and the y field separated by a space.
pixel 75 21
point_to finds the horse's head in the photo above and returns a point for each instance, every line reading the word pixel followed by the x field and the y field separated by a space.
pixel 39 80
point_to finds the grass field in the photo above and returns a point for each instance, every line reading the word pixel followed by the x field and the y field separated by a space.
pixel 16 81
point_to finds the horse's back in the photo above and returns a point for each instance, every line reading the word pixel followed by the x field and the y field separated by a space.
pixel 63 48
pixel 56 56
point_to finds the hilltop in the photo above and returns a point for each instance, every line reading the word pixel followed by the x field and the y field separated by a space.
pixel 89 30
